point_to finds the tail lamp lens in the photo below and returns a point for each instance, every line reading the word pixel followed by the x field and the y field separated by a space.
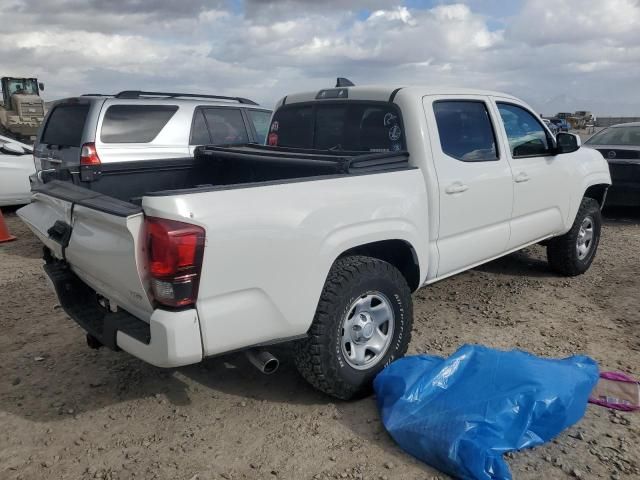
pixel 174 254
pixel 89 154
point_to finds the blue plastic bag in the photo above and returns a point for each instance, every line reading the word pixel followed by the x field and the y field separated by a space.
pixel 460 414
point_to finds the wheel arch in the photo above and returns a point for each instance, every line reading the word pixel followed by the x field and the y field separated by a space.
pixel 399 253
pixel 598 192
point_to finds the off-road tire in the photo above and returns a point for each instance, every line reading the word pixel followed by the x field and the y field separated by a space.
pixel 319 357
pixel 561 251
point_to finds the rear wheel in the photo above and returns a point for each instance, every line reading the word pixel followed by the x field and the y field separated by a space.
pixel 363 322
pixel 572 253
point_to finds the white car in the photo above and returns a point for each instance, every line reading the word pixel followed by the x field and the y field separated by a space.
pixel 362 195
pixel 16 165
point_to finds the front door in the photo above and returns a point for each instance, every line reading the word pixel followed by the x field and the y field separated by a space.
pixel 474 179
pixel 540 177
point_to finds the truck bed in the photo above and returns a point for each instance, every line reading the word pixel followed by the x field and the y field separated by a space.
pixel 213 168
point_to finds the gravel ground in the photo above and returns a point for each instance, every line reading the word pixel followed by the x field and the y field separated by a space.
pixel 70 412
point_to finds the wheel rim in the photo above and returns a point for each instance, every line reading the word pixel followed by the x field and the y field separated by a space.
pixel 585 238
pixel 367 330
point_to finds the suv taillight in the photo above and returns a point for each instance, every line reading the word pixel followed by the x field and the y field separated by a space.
pixel 89 154
pixel 174 255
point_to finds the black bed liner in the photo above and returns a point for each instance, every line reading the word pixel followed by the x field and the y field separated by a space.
pixel 343 162
pixel 118 188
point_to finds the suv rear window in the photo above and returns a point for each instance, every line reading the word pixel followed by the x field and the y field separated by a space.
pixel 65 125
pixel 135 123
pixel 348 126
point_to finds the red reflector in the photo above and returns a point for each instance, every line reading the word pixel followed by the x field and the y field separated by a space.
pixel 89 154
pixel 174 253
pixel 272 140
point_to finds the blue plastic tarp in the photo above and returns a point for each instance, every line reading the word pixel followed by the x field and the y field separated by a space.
pixel 462 413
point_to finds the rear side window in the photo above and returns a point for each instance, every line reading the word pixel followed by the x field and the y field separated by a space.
pixel 199 131
pixel 65 125
pixel 135 123
pixel 260 120
pixel 465 130
pixel 226 126
pixel 348 126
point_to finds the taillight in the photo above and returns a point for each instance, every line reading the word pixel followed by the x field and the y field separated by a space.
pixel 89 154
pixel 174 255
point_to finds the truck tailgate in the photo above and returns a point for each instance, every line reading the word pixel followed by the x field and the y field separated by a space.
pixel 98 236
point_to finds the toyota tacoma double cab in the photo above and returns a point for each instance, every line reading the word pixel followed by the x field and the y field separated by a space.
pixel 361 196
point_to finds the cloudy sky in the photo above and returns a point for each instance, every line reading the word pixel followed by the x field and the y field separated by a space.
pixel 556 54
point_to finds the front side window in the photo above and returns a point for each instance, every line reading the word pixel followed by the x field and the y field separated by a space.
pixel 23 86
pixel 527 136
pixel 226 126
pixel 260 120
pixel 465 130
pixel 340 126
pixel 135 123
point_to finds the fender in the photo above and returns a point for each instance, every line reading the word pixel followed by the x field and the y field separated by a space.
pixel 594 170
pixel 346 238
pixel 589 180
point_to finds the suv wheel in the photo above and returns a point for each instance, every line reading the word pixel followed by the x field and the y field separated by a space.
pixel 363 322
pixel 572 253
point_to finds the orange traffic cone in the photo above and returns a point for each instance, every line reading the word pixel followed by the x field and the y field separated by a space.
pixel 5 236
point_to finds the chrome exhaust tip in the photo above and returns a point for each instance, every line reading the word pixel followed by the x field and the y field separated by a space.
pixel 263 361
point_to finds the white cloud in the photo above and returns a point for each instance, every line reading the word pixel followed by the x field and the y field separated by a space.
pixel 577 49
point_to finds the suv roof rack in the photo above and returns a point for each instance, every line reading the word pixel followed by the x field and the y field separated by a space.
pixel 140 93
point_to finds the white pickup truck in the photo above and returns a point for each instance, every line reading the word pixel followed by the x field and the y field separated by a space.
pixel 362 195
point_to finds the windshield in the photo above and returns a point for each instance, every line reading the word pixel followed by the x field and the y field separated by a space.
pixel 628 136
pixel 339 126
pixel 24 86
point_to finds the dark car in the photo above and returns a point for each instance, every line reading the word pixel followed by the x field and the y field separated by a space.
pixel 620 146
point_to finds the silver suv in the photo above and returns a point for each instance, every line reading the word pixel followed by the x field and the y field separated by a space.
pixel 135 126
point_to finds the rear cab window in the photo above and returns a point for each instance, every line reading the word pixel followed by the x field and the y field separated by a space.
pixel 135 123
pixel 359 126
pixel 65 125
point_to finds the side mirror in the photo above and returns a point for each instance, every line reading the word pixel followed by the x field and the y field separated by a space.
pixel 41 86
pixel 12 149
pixel 567 142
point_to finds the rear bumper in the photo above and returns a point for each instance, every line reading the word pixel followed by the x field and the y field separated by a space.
pixel 170 339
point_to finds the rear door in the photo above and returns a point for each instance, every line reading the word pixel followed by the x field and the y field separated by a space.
pixel 474 179
pixel 101 238
pixel 68 125
pixel 220 126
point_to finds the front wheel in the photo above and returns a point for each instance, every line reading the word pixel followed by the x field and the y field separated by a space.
pixel 572 253
pixel 363 322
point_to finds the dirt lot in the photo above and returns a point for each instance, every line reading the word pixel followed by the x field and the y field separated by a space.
pixel 70 412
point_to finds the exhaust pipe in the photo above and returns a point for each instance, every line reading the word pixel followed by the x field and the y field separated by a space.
pixel 93 342
pixel 263 361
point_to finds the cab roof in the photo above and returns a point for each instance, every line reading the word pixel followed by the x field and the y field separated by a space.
pixel 382 93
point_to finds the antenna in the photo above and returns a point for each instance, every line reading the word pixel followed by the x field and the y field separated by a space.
pixel 344 82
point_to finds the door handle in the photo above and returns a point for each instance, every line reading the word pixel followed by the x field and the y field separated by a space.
pixel 521 177
pixel 456 187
